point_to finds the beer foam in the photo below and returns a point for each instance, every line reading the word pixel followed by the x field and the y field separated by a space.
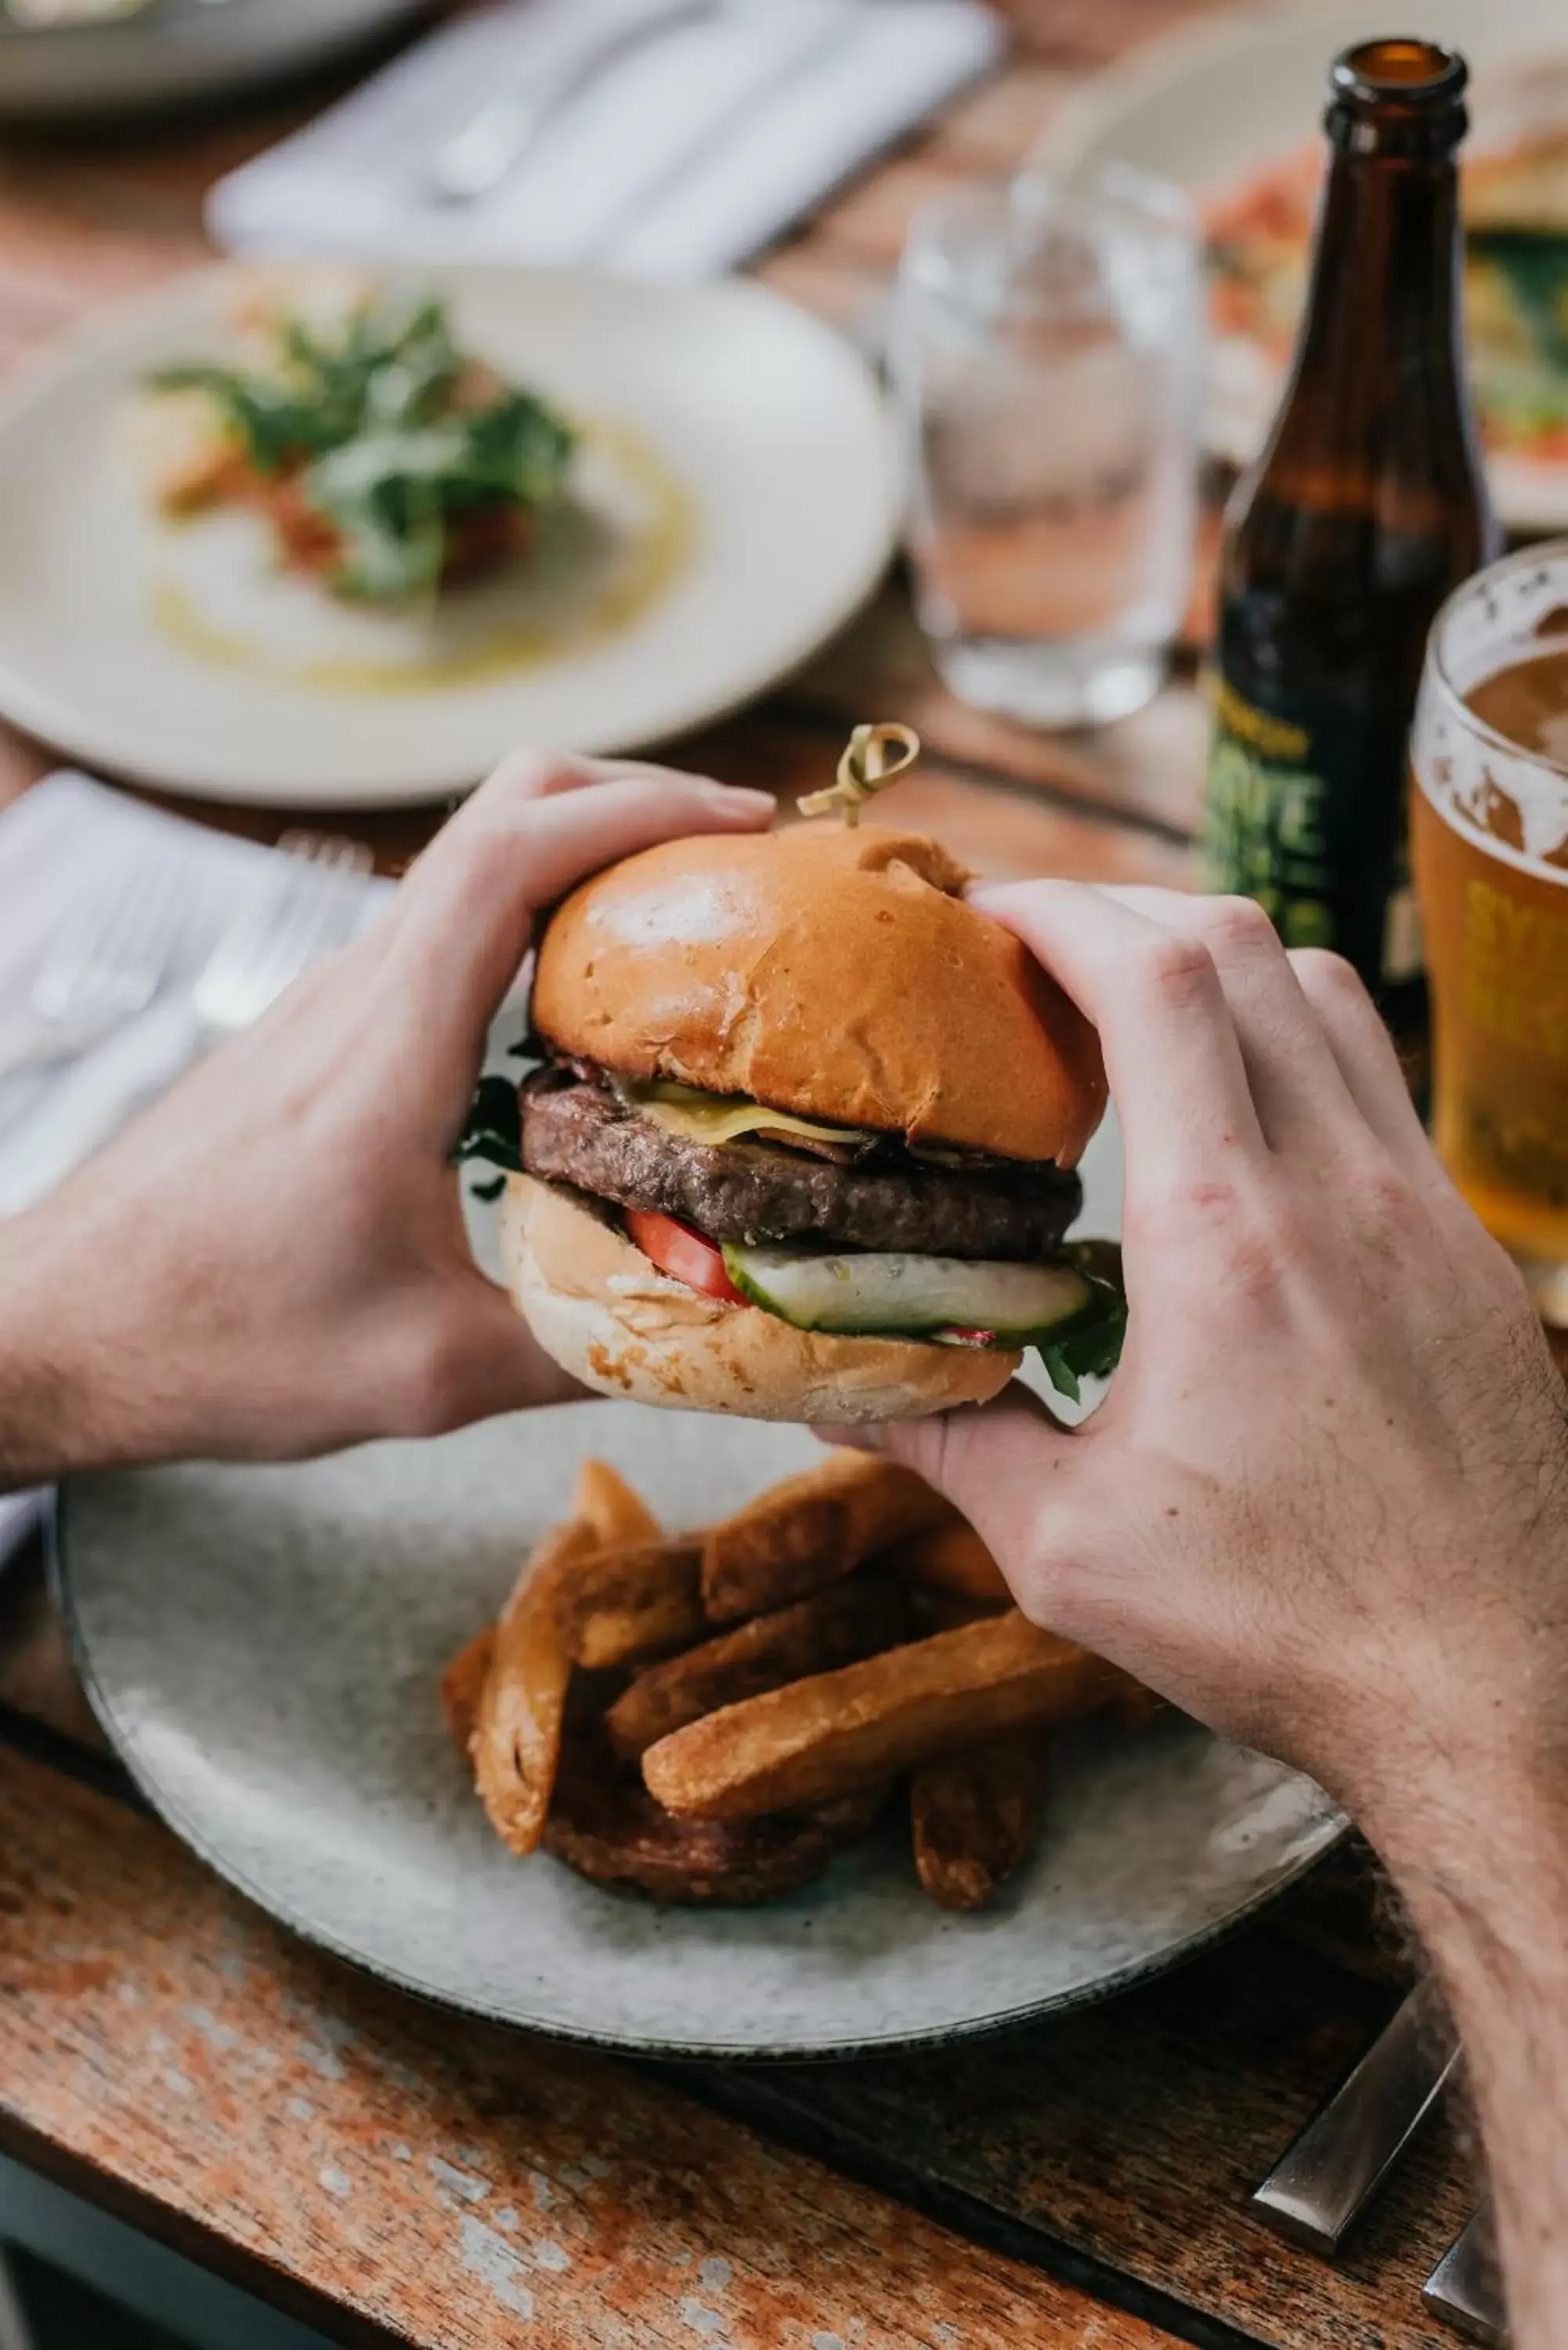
pixel 1511 802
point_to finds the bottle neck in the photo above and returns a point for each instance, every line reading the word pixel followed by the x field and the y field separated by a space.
pixel 1382 332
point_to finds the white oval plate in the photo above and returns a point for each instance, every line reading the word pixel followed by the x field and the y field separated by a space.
pixel 761 430
pixel 1209 103
pixel 263 1646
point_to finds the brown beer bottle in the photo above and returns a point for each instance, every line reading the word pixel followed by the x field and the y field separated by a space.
pixel 1365 507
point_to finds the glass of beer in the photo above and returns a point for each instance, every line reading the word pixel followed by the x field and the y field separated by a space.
pixel 1489 757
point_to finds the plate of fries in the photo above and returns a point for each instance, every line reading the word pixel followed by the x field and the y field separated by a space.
pixel 676 1734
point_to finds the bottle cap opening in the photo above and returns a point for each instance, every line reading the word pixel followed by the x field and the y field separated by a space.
pixel 1397 96
pixel 1418 72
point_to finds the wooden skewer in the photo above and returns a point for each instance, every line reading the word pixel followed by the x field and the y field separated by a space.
pixel 874 757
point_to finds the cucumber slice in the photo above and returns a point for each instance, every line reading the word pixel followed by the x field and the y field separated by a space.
pixel 905 1295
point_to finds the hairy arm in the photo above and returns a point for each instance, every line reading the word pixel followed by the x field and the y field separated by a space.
pixel 1486 1884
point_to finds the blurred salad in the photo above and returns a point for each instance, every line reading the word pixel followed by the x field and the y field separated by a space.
pixel 388 462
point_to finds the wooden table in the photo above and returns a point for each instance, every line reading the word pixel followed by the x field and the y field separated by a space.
pixel 394 2175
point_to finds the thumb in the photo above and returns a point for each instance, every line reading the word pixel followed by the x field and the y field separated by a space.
pixel 1002 1463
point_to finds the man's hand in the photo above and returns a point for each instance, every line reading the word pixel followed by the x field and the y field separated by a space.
pixel 273 1261
pixel 1324 1504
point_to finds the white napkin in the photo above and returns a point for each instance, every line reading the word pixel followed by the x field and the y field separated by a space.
pixel 72 843
pixel 676 161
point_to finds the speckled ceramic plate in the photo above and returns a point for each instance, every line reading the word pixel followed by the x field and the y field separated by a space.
pixel 263 1646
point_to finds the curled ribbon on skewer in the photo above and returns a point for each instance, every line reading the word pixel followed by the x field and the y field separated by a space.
pixel 874 757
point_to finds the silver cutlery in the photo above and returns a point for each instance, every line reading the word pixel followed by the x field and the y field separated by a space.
pixel 1464 2290
pixel 1336 2165
pixel 310 903
pixel 107 964
pixel 477 159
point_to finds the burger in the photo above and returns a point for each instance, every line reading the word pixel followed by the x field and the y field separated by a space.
pixel 801 1139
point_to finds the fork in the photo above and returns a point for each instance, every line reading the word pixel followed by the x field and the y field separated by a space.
pixel 310 903
pixel 106 965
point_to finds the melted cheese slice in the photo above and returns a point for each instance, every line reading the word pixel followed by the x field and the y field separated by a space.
pixel 697 1116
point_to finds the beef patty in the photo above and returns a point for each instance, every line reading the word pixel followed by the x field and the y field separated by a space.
pixel 576 1131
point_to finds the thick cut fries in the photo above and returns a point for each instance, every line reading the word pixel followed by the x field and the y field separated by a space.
pixel 832 1627
pixel 606 1503
pixel 976 1816
pixel 463 1684
pixel 953 1558
pixel 816 1739
pixel 738 1763
pixel 811 1531
pixel 632 1601
pixel 606 1825
pixel 517 1740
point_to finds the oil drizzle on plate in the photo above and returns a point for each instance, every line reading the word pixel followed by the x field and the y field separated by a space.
pixel 598 562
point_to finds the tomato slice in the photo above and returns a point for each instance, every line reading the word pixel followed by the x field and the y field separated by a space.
pixel 682 1253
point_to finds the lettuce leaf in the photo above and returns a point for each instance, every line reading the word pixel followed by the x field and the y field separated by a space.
pixel 493 1130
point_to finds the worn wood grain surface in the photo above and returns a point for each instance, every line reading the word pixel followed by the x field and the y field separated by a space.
pixel 456 2186
pixel 402 2176
pixel 1136 2131
pixel 1119 2145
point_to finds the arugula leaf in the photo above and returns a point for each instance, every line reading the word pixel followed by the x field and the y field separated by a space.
pixel 391 432
pixel 1090 1346
pixel 1091 1351
pixel 493 1130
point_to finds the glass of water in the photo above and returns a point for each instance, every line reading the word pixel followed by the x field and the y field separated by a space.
pixel 1047 351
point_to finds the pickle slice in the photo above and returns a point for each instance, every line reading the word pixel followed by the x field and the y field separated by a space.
pixel 876 1294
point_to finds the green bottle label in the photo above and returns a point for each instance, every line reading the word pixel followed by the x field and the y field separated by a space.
pixel 1305 812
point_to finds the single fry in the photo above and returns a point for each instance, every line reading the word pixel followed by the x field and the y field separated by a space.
pixel 950 1558
pixel 976 1816
pixel 463 1684
pixel 810 1531
pixel 832 1627
pixel 632 1601
pixel 517 1741
pixel 606 1503
pixel 604 1824
pixel 816 1739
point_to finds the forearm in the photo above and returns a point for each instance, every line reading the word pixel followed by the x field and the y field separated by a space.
pixel 67 1395
pixel 1488 1893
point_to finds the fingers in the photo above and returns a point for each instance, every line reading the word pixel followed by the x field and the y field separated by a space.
pixel 1365 1052
pixel 1296 1080
pixel 1172 1055
pixel 464 913
pixel 541 775
pixel 1002 1463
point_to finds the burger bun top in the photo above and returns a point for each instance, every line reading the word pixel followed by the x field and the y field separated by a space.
pixel 835 972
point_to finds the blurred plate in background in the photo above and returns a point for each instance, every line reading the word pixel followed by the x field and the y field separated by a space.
pixel 172 52
pixel 737 501
pixel 1223 100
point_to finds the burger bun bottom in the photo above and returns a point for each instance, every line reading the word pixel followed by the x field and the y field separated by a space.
pixel 602 1311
